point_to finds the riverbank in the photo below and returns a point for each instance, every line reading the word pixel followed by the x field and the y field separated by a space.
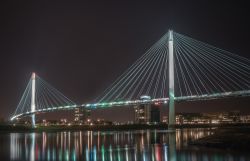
pixel 237 138
pixel 55 128
pixel 25 128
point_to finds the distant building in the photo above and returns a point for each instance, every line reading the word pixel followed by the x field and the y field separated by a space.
pixel 179 119
pixel 245 118
pixel 102 122
pixel 155 116
pixel 165 119
pixel 223 117
pixel 210 118
pixel 81 115
pixel 63 121
pixel 147 113
pixel 234 116
pixel 142 111
pixel 78 115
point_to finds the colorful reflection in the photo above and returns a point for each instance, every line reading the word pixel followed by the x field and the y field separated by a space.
pixel 144 145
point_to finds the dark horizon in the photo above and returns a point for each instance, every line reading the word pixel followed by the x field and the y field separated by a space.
pixel 81 48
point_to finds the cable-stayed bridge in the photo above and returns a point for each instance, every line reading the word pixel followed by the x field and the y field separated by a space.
pixel 175 68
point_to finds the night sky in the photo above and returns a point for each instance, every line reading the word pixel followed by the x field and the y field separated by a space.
pixel 80 48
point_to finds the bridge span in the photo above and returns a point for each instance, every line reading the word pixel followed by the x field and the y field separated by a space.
pixel 176 68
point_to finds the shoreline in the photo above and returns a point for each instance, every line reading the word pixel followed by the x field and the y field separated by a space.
pixel 55 128
pixel 231 138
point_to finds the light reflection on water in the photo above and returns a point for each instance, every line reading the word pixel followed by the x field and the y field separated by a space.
pixel 143 145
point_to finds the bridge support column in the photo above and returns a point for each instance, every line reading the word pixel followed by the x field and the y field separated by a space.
pixel 171 114
pixel 33 103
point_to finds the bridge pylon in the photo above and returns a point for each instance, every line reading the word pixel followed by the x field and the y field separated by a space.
pixel 33 103
pixel 171 114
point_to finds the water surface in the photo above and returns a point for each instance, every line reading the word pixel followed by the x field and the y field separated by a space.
pixel 141 145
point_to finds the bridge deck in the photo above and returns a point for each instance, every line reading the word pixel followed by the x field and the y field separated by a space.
pixel 214 96
pixel 137 102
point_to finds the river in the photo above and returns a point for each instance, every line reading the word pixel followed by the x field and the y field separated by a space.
pixel 138 145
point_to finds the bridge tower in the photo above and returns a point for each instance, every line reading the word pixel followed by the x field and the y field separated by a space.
pixel 171 114
pixel 33 103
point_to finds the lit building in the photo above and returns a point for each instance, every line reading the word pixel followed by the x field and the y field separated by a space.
pixel 81 115
pixel 179 119
pixel 142 111
pixel 234 116
pixel 210 118
pixel 223 117
pixel 147 113
pixel 63 121
pixel 165 119
pixel 245 118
